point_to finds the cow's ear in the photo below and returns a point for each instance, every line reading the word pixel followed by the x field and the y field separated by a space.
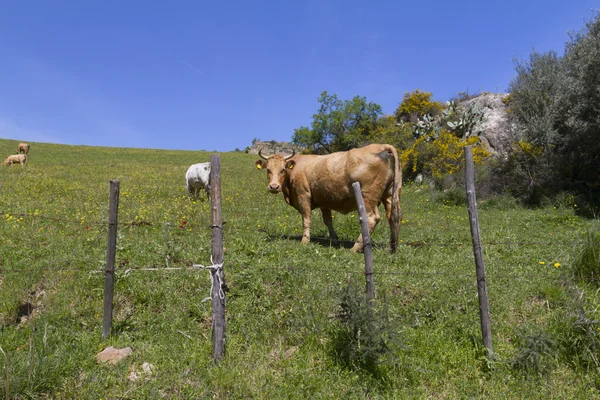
pixel 290 164
pixel 260 164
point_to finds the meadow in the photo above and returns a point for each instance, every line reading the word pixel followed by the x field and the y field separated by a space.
pixel 287 333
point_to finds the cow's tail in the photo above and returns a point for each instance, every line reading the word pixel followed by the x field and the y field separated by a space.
pixel 396 214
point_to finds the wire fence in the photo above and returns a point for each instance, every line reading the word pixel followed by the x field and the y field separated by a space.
pixel 97 265
pixel 461 286
pixel 176 225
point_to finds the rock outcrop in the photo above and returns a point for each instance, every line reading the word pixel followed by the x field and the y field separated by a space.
pixel 272 147
pixel 496 130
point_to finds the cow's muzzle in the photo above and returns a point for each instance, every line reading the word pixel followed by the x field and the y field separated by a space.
pixel 274 188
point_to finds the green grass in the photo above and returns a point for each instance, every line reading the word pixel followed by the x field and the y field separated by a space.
pixel 283 297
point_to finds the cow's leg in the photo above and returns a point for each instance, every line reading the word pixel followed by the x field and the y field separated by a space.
pixel 329 222
pixel 394 218
pixel 306 223
pixel 373 219
pixel 388 202
pixel 306 215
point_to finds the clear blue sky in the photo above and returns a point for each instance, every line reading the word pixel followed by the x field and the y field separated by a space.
pixel 214 75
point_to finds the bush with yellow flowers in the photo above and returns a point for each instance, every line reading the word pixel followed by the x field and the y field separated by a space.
pixel 442 156
pixel 416 104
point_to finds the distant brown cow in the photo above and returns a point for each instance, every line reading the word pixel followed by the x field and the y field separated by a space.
pixel 325 182
pixel 16 159
pixel 23 148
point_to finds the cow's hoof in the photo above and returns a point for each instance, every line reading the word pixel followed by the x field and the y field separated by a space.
pixel 356 248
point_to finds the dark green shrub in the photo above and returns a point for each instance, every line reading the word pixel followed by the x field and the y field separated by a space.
pixel 577 331
pixel 464 96
pixel 535 348
pixel 526 174
pixel 578 340
pixel 361 341
pixel 587 264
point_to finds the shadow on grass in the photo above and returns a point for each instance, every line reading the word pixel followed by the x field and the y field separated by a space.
pixel 323 241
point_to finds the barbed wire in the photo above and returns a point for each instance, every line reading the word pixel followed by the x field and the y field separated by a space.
pixel 183 222
pixel 452 273
pixel 77 221
pixel 418 243
pixel 4 269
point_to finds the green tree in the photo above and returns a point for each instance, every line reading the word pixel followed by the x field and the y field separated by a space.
pixel 535 98
pixel 555 103
pixel 339 125
pixel 580 152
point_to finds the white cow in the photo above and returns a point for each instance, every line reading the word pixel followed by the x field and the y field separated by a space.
pixel 198 177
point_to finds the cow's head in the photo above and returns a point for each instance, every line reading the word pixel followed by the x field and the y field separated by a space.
pixel 276 166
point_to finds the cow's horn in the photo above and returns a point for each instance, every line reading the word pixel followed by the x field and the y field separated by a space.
pixel 290 156
pixel 261 155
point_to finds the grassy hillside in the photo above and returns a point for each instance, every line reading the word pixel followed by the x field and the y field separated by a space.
pixel 285 337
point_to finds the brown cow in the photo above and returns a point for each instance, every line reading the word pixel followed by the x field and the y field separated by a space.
pixel 16 159
pixel 23 148
pixel 325 182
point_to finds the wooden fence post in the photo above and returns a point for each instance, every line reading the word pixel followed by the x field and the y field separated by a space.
pixel 484 311
pixel 217 274
pixel 6 375
pixel 109 278
pixel 367 248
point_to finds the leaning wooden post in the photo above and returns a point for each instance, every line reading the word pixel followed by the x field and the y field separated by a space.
pixel 109 278
pixel 217 274
pixel 6 375
pixel 484 311
pixel 367 247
